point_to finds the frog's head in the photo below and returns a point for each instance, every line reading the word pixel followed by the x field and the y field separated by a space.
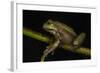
pixel 50 26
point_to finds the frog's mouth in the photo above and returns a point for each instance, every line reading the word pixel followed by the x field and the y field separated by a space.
pixel 50 29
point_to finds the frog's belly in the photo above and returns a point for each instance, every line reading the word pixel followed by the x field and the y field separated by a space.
pixel 66 37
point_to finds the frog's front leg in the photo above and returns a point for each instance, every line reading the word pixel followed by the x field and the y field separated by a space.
pixel 79 40
pixel 50 49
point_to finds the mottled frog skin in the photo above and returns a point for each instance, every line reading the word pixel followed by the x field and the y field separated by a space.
pixel 63 35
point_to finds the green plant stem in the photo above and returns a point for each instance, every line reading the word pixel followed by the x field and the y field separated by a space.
pixel 43 38
pixel 35 35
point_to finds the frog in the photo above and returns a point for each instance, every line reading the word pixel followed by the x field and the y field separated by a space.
pixel 63 35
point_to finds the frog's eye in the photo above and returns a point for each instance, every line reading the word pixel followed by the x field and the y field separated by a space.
pixel 48 23
pixel 51 24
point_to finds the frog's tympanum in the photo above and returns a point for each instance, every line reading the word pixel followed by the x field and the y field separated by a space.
pixel 63 35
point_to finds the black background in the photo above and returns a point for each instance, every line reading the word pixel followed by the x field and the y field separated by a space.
pixel 33 49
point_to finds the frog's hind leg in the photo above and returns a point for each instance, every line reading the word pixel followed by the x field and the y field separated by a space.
pixel 50 49
pixel 79 40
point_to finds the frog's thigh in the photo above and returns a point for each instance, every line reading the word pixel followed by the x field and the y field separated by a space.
pixel 79 40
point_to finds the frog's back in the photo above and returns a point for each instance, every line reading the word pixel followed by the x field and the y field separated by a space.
pixel 65 27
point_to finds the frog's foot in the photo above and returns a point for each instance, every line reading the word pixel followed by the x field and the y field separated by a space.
pixel 79 40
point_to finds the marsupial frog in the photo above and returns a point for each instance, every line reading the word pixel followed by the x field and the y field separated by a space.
pixel 63 35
